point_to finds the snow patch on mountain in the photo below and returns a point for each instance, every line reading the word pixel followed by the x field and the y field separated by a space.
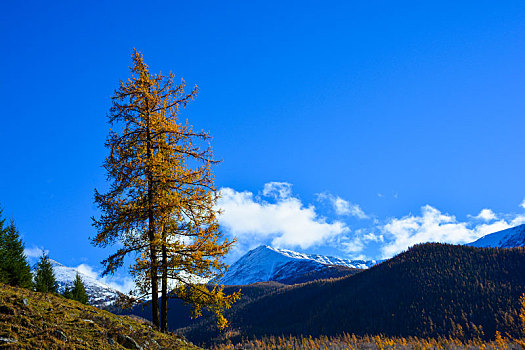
pixel 266 263
pixel 509 238
pixel 326 260
pixel 100 294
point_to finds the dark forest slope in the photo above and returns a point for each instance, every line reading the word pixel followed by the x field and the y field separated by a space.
pixel 429 290
pixel 179 313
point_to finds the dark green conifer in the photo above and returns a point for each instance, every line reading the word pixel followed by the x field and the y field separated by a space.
pixel 45 277
pixel 14 269
pixel 67 293
pixel 78 292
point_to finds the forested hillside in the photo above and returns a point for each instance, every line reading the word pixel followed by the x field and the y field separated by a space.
pixel 180 312
pixel 429 290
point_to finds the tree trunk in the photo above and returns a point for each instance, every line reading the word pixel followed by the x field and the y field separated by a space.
pixel 164 292
pixel 153 269
pixel 151 237
pixel 154 280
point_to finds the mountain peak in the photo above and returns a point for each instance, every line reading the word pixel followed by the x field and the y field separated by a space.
pixel 266 263
pixel 509 238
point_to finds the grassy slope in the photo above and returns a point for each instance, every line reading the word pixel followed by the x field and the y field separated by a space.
pixel 45 321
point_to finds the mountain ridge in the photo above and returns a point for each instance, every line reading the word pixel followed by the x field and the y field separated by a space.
pixel 508 238
pixel 265 263
pixel 431 289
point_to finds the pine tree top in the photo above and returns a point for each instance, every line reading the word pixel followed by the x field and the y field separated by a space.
pixel 45 277
pixel 14 269
pixel 78 292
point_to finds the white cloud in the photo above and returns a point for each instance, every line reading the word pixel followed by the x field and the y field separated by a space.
pixel 343 207
pixel 523 204
pixel 353 246
pixel 87 270
pixel 434 226
pixel 372 237
pixel 278 190
pixel 34 252
pixel 486 214
pixel 485 229
pixel 518 220
pixel 286 221
pixel 123 284
pixel 357 242
pixel 430 226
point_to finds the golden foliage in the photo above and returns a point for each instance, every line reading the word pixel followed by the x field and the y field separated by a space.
pixel 161 203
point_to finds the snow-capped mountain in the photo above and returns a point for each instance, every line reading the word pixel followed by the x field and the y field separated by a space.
pixel 509 238
pixel 100 294
pixel 265 263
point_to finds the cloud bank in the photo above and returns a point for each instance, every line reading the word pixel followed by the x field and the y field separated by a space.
pixel 434 226
pixel 35 252
pixel 277 216
pixel 122 284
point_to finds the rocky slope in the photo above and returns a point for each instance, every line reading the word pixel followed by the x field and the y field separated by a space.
pixel 31 320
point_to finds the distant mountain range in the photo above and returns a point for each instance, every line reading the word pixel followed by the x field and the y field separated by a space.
pixel 266 263
pixel 509 238
pixel 430 290
pixel 100 294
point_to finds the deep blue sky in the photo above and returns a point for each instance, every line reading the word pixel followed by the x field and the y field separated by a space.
pixel 389 105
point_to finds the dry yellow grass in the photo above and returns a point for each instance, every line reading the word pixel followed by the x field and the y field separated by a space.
pixel 30 320
pixel 351 342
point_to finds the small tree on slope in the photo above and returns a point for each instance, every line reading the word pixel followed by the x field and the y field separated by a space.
pixel 14 269
pixel 67 292
pixel 78 292
pixel 45 277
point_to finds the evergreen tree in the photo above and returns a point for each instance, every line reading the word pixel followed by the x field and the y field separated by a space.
pixel 67 292
pixel 161 202
pixel 14 269
pixel 78 292
pixel 45 277
pixel 3 273
pixel 3 276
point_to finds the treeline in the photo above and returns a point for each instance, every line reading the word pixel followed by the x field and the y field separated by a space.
pixel 431 290
pixel 15 270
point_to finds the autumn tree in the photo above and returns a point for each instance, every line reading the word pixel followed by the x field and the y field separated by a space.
pixel 161 202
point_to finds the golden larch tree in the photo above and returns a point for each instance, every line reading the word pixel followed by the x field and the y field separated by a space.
pixel 160 206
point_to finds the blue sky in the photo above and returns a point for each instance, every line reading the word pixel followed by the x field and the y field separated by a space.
pixel 345 128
